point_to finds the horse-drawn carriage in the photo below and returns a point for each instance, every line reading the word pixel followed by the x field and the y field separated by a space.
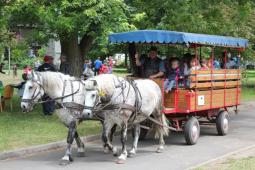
pixel 119 101
pixel 210 92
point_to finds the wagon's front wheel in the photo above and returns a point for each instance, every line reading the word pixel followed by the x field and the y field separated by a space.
pixel 222 123
pixel 191 131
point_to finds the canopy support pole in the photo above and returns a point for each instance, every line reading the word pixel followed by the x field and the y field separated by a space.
pixel 131 52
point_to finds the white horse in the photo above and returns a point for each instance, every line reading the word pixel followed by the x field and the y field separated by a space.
pixel 123 103
pixel 66 91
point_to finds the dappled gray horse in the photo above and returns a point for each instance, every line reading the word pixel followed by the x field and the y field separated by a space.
pixel 125 102
pixel 67 92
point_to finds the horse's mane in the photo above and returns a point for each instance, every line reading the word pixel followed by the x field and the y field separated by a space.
pixel 53 79
pixel 105 82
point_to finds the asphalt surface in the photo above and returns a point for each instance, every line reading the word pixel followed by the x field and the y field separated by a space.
pixel 177 155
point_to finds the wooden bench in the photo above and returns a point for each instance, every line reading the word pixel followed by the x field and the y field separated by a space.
pixel 215 79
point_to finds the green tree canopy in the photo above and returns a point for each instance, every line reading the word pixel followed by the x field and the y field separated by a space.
pixel 76 23
pixel 82 24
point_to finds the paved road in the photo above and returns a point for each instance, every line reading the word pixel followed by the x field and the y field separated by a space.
pixel 177 154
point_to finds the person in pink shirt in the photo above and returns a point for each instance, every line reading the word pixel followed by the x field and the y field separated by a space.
pixel 110 65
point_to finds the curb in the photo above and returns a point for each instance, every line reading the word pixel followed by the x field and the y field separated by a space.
pixel 222 157
pixel 42 148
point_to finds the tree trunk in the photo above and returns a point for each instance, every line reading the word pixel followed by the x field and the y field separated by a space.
pixel 75 52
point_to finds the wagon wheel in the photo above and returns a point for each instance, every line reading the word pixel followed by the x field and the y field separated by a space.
pixel 191 131
pixel 222 123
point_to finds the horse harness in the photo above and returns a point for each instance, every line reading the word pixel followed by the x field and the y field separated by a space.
pixel 135 109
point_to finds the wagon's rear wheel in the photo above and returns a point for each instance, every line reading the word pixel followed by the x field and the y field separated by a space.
pixel 222 123
pixel 191 131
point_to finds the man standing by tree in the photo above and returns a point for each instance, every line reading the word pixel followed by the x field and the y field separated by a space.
pixel 48 107
pixel 1 68
pixel 97 65
pixel 64 65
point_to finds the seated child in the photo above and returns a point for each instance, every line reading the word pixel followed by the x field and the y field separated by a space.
pixel 193 65
pixel 204 65
pixel 174 75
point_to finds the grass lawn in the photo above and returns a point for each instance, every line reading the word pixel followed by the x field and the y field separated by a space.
pixel 241 161
pixel 120 71
pixel 240 164
pixel 247 163
pixel 248 90
pixel 248 93
pixel 249 78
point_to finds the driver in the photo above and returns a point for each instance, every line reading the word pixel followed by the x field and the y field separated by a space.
pixel 152 66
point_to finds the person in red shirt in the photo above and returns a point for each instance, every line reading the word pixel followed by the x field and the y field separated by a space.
pixel 103 69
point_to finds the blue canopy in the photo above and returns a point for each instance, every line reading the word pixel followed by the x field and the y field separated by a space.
pixel 173 37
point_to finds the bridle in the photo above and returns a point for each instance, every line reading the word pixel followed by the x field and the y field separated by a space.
pixel 35 95
pixel 97 101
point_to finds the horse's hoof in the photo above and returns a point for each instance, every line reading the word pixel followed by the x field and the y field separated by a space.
pixel 131 153
pixel 115 151
pixel 122 158
pixel 106 150
pixel 160 149
pixel 81 152
pixel 66 160
pixel 120 161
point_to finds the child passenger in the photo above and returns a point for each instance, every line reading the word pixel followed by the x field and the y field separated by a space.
pixel 174 75
pixel 193 65
pixel 204 65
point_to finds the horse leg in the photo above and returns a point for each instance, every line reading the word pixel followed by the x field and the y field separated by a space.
pixel 112 132
pixel 113 129
pixel 80 145
pixel 136 132
pixel 161 143
pixel 161 131
pixel 123 155
pixel 71 135
pixel 105 138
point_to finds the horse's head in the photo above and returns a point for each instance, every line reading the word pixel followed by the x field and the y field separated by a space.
pixel 92 96
pixel 33 91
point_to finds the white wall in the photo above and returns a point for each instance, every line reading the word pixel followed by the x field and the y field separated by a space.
pixel 54 50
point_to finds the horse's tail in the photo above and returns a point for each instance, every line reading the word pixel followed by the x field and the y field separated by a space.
pixel 159 129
